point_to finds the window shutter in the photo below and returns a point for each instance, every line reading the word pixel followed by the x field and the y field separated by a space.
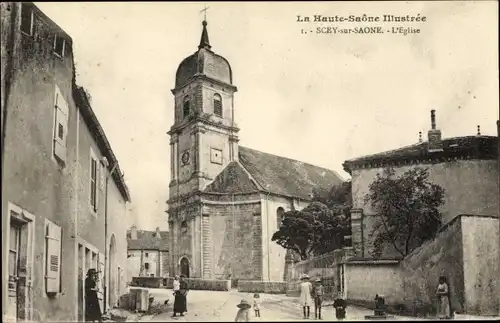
pixel 102 178
pixel 61 125
pixel 53 258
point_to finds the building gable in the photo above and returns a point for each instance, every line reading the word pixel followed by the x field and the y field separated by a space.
pixel 233 179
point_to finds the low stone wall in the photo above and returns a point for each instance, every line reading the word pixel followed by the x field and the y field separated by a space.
pixel 248 286
pixel 147 282
pixel 201 284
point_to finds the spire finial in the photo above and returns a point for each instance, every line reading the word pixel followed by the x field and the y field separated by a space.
pixel 204 42
pixel 478 130
pixel 420 136
pixel 204 10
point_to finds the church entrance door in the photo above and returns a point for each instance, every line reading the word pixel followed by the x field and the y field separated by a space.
pixel 185 267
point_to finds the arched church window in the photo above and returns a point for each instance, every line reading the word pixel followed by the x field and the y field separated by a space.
pixel 186 108
pixel 280 215
pixel 217 105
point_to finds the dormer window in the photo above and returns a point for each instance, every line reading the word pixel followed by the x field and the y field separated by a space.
pixel 26 19
pixel 186 108
pixel 59 45
pixel 218 105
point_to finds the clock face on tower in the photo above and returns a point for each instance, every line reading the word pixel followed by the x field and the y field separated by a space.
pixel 185 157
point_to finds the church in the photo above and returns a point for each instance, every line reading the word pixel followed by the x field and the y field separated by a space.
pixel 225 200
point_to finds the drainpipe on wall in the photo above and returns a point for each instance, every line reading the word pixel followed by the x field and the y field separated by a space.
pixel 75 212
pixel 268 239
pixel 106 265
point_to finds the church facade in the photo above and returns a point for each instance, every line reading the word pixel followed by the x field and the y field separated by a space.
pixel 225 200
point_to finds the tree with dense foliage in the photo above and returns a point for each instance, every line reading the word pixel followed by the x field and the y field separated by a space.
pixel 320 227
pixel 406 208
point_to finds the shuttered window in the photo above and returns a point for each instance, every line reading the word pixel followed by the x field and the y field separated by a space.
pixel 217 105
pixel 53 235
pixel 60 126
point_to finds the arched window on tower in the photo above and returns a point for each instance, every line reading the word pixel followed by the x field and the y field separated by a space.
pixel 280 216
pixel 184 227
pixel 218 105
pixel 186 108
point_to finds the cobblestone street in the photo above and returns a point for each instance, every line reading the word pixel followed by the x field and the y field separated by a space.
pixel 221 306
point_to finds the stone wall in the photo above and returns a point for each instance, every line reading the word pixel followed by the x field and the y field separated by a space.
pixel 421 269
pixel 365 279
pixel 481 265
pixel 465 251
pixel 235 250
pixel 268 287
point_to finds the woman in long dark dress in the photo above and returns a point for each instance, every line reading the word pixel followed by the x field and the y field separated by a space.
pixel 180 300
pixel 92 308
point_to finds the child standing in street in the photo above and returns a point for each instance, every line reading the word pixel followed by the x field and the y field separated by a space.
pixel 305 295
pixel 318 298
pixel 340 305
pixel 256 304
pixel 243 315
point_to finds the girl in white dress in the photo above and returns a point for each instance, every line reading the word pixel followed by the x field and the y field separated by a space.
pixel 306 295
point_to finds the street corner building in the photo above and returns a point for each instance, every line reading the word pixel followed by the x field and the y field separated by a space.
pixel 225 200
pixel 147 253
pixel 63 193
pixel 466 248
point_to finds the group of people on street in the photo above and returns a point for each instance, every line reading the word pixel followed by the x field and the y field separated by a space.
pixel 312 294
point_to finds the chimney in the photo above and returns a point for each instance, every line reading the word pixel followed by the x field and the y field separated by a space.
pixel 434 135
pixel 158 233
pixel 133 232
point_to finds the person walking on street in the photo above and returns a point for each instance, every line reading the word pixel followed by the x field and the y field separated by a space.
pixel 243 314
pixel 256 304
pixel 180 300
pixel 340 305
pixel 305 295
pixel 318 298
pixel 92 308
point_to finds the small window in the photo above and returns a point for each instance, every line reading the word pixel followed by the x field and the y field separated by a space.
pixel 147 254
pixel 59 45
pixel 60 131
pixel 280 215
pixel 186 108
pixel 217 105
pixel 146 265
pixel 26 19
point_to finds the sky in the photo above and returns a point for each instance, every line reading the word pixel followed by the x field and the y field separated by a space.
pixel 317 98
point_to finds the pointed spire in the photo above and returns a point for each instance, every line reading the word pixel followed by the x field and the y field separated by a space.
pixel 204 42
pixel 478 130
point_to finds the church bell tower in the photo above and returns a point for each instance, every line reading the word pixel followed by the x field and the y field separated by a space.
pixel 203 138
pixel 204 135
